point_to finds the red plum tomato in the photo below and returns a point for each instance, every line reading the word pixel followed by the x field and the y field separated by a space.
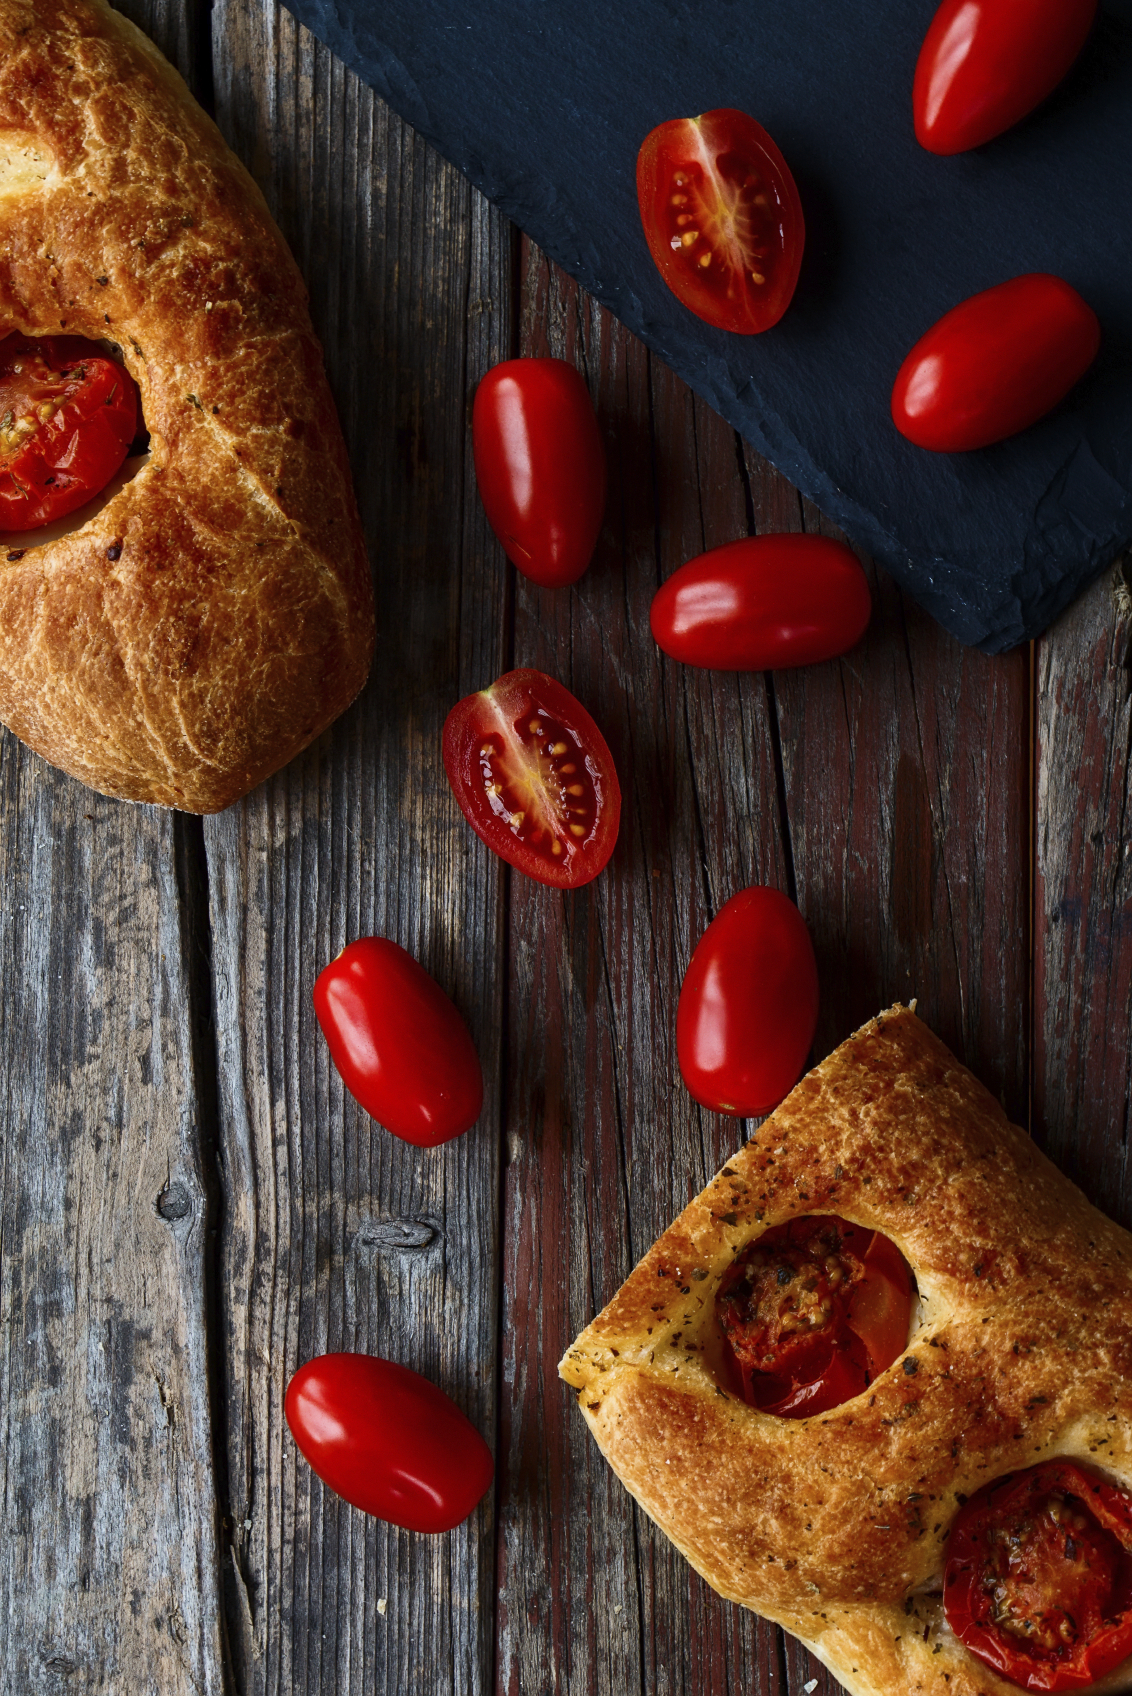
pixel 722 218
pixel 534 778
pixel 388 1441
pixel 762 603
pixel 68 414
pixel 1037 1578
pixel 995 364
pixel 540 467
pixel 400 1046
pixel 986 63
pixel 748 1005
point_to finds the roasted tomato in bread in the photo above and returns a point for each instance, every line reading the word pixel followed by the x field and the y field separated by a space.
pixel 811 1313
pixel 68 414
pixel 1038 1577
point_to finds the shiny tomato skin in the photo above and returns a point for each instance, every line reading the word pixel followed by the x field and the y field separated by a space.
pixel 1081 1575
pixel 388 1441
pixel 400 1047
pixel 722 218
pixel 534 778
pixel 54 461
pixel 540 467
pixel 763 603
pixel 985 63
pixel 748 1005
pixel 995 364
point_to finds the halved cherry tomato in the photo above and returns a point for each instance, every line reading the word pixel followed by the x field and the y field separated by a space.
pixel 722 218
pixel 986 63
pixel 68 414
pixel 812 1312
pixel 1038 1576
pixel 540 467
pixel 762 603
pixel 402 1049
pixel 534 777
pixel 995 364
pixel 748 1005
pixel 387 1441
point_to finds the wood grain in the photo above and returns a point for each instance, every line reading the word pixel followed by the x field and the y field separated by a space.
pixel 335 1234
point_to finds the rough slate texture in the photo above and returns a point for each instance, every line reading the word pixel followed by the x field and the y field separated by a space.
pixel 544 108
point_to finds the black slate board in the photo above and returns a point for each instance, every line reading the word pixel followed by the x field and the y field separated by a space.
pixel 544 103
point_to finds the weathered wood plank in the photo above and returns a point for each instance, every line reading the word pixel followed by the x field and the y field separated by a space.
pixel 335 1234
pixel 1083 895
pixel 108 1551
pixel 604 1145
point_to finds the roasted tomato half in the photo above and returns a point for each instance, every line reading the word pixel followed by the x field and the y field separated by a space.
pixel 534 777
pixel 540 467
pixel 68 414
pixel 986 63
pixel 995 364
pixel 748 1005
pixel 388 1441
pixel 763 603
pixel 1038 1576
pixel 722 218
pixel 812 1312
pixel 398 1042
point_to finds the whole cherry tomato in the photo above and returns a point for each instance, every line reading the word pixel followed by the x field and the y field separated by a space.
pixel 748 1005
pixel 762 603
pixel 812 1312
pixel 986 63
pixel 402 1049
pixel 994 364
pixel 1037 1580
pixel 387 1441
pixel 67 417
pixel 534 777
pixel 540 466
pixel 722 218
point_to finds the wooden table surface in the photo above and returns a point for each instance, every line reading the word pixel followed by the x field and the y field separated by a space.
pixel 191 1206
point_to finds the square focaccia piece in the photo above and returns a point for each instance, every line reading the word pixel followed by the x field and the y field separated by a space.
pixel 1020 1351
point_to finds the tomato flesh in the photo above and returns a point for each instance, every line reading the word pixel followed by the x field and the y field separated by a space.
pixel 534 777
pixel 748 1005
pixel 763 603
pixel 722 218
pixel 540 467
pixel 68 414
pixel 995 364
pixel 388 1441
pixel 811 1313
pixel 985 63
pixel 399 1044
pixel 1038 1576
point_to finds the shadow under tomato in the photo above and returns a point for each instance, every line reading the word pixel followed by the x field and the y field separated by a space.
pixel 820 259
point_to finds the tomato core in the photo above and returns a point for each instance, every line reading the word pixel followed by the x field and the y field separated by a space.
pixel 538 784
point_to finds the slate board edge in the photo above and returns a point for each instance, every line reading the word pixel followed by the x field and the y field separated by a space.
pixel 994 628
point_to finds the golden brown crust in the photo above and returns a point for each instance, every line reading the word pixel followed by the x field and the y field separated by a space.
pixel 835 1526
pixel 217 613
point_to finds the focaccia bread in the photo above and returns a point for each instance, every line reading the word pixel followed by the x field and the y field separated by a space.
pixel 1021 1350
pixel 216 614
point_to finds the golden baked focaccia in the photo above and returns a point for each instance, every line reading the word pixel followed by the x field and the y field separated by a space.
pixel 212 616
pixel 1020 1351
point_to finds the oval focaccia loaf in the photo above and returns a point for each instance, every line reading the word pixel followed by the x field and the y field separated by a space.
pixel 216 613
pixel 835 1526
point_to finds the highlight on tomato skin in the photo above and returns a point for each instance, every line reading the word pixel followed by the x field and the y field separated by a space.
pixel 1037 1578
pixel 388 1441
pixel 722 218
pixel 534 777
pixel 985 64
pixel 763 603
pixel 995 364
pixel 399 1043
pixel 811 1312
